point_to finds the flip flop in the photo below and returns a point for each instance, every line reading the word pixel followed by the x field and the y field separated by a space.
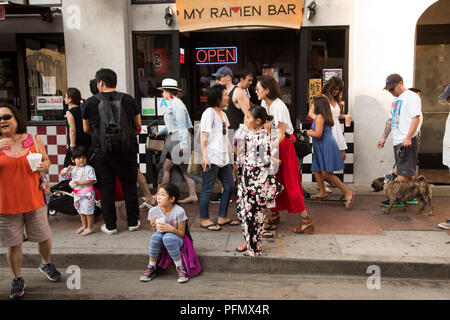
pixel 350 201
pixel 229 223
pixel 270 227
pixel 267 235
pixel 211 225
pixel 241 248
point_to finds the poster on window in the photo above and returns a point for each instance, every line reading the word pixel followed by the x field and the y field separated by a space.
pixel 161 106
pixel 148 106
pixel 159 59
pixel 328 73
pixel 315 90
pixel 50 103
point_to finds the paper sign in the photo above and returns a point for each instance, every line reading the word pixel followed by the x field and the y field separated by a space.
pixel 50 103
pixel 328 73
pixel 148 107
pixel 49 85
pixel 162 106
pixel 315 90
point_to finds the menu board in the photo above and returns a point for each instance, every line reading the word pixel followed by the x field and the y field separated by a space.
pixel 315 90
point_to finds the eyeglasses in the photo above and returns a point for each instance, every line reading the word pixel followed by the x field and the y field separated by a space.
pixel 6 117
pixel 224 128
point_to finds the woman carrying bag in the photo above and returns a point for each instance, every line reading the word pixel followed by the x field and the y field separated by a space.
pixel 179 141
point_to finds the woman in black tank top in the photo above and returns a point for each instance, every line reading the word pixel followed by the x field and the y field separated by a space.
pixel 74 124
pixel 235 115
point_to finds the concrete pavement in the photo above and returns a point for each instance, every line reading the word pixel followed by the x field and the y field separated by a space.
pixel 403 244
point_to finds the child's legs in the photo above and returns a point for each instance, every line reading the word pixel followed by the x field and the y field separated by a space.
pixel 337 182
pixel 156 242
pixel 84 222
pixel 90 221
pixel 173 244
pixel 320 182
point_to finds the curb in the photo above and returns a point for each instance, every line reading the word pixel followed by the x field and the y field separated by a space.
pixel 238 264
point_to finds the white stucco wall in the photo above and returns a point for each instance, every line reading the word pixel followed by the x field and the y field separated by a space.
pixel 103 40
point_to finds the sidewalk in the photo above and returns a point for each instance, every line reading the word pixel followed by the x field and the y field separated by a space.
pixel 346 242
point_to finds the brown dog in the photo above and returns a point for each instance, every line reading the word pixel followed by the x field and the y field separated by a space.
pixel 404 191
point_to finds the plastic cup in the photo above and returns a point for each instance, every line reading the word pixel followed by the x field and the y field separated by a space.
pixel 159 221
pixel 34 159
pixel 348 120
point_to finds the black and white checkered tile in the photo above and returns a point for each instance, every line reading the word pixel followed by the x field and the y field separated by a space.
pixel 347 174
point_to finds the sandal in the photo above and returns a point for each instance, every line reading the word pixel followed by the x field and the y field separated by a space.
pixel 231 222
pixel 317 197
pixel 269 227
pixel 79 231
pixel 208 227
pixel 349 203
pixel 274 218
pixel 267 235
pixel 241 248
pixel 87 232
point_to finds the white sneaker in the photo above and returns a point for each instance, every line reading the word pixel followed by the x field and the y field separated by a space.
pixel 110 232
pixel 134 228
pixel 445 225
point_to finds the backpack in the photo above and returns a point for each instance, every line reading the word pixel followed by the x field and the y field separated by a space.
pixel 115 132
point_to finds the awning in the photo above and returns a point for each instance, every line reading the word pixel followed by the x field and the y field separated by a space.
pixel 199 14
pixel 8 8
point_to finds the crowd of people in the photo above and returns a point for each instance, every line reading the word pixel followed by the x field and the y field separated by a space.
pixel 248 148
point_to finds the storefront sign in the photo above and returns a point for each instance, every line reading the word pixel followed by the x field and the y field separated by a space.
pixel 216 55
pixel 198 14
pixel 50 103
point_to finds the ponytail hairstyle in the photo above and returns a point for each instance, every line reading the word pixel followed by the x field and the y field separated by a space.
pixel 322 107
pixel 258 112
pixel 75 95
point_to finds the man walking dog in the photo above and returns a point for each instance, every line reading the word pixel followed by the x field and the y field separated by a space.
pixel 404 120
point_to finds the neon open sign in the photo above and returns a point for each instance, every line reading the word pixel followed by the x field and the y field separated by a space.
pixel 216 55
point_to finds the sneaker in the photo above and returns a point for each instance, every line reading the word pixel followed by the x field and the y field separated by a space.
pixel 50 271
pixel 385 204
pixel 131 229
pixel 445 225
pixel 17 288
pixel 413 201
pixel 110 232
pixel 182 275
pixel 149 274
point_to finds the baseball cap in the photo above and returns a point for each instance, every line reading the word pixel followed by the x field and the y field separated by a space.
pixel 446 93
pixel 392 81
pixel 222 72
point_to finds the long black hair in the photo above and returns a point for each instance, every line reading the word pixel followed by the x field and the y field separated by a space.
pixel 322 107
pixel 173 191
pixel 215 95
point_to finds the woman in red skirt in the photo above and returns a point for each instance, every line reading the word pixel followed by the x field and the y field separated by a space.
pixel 291 198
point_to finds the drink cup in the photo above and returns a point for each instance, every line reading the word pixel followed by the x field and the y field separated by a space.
pixel 158 222
pixel 348 120
pixel 34 159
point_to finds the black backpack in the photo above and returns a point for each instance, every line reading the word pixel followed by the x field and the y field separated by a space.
pixel 115 132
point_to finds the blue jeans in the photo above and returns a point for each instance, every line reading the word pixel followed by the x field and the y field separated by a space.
pixel 225 175
pixel 170 241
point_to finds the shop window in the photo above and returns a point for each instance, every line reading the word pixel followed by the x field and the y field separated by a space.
pixel 45 62
pixel 38 2
pixel 151 1
pixel 9 92
pixel 154 61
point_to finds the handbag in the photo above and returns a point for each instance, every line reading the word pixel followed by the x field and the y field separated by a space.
pixel 302 145
pixel 155 144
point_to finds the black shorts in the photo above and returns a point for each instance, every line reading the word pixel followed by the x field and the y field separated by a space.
pixel 406 166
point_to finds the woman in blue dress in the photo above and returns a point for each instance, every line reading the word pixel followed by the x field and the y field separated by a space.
pixel 327 158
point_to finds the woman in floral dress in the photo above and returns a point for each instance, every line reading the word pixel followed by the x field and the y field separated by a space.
pixel 257 187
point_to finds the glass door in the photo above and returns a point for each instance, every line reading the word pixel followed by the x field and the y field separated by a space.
pixel 9 91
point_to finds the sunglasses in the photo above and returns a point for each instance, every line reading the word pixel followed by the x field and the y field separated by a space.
pixel 224 128
pixel 6 117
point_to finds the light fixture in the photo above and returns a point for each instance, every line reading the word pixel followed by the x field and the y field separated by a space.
pixel 311 10
pixel 169 16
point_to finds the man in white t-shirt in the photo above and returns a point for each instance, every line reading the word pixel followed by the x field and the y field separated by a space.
pixel 404 121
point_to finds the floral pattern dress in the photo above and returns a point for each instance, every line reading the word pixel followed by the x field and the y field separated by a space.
pixel 257 187
pixel 84 196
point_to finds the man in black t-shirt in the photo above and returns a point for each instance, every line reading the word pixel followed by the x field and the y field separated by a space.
pixel 106 165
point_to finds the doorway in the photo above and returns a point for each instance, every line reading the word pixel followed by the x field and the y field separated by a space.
pixel 431 77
